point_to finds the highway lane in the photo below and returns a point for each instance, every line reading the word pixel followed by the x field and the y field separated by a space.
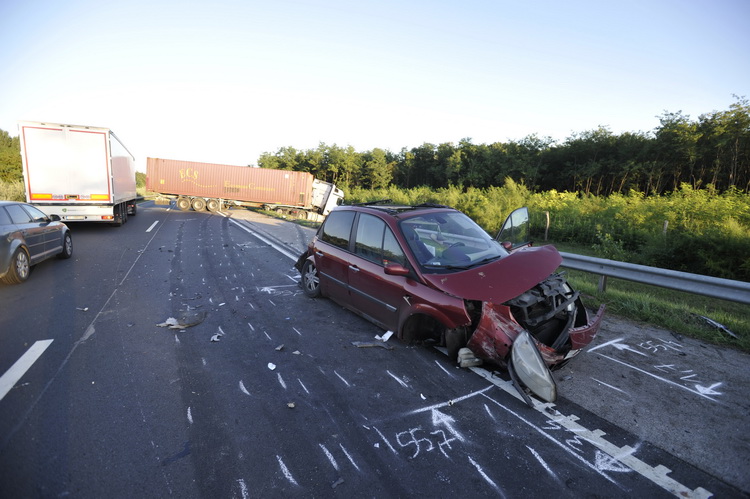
pixel 282 403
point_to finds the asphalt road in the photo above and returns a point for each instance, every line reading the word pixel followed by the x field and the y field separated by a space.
pixel 281 403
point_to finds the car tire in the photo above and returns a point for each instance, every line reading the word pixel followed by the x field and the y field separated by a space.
pixel 310 279
pixel 19 268
pixel 183 203
pixel 67 251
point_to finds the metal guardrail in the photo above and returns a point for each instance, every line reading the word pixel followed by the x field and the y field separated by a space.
pixel 725 289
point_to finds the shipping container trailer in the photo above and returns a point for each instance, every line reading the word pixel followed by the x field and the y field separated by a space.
pixel 213 186
pixel 79 173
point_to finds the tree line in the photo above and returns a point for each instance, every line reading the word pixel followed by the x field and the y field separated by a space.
pixel 713 149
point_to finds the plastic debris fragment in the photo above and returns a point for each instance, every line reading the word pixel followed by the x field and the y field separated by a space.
pixel 466 358
pixel 184 319
pixel 279 348
pixel 215 337
pixel 290 405
pixel 367 344
pixel 271 366
pixel 718 326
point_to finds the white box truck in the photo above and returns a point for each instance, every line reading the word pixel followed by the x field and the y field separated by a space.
pixel 80 173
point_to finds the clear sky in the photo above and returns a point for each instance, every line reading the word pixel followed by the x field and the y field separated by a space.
pixel 226 80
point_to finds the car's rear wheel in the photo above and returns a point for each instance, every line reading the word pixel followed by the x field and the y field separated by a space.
pixel 67 251
pixel 19 268
pixel 310 279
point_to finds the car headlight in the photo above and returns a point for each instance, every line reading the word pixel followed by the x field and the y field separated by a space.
pixel 531 369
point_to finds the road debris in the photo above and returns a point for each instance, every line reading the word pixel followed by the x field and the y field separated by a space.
pixel 337 483
pixel 466 358
pixel 368 344
pixel 291 405
pixel 720 327
pixel 83 309
pixel 279 348
pixel 271 366
pixel 385 337
pixel 215 337
pixel 184 319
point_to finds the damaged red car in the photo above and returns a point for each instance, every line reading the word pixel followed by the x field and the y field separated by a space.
pixel 429 272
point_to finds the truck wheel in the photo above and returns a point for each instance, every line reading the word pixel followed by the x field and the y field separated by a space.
pixel 310 279
pixel 213 205
pixel 19 268
pixel 199 204
pixel 132 209
pixel 67 251
pixel 183 203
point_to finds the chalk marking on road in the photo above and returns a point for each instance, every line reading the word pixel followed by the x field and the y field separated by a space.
pixel 385 440
pixel 243 489
pixel 618 345
pixel 698 391
pixel 348 456
pixel 445 370
pixel 267 335
pixel 303 386
pixel 297 331
pixel 342 378
pixel 286 471
pixel 610 386
pixel 251 326
pixel 330 457
pixel 486 478
pixel 19 368
pixel 281 380
pixel 543 463
pixel 243 389
pixel 400 381
pixel 190 415
pixel 152 226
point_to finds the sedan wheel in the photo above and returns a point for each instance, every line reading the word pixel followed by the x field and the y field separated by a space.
pixel 67 251
pixel 19 268
pixel 310 280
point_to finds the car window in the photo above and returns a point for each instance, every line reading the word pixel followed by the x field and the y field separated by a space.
pixel 18 214
pixel 4 217
pixel 392 252
pixel 369 240
pixel 36 214
pixel 337 228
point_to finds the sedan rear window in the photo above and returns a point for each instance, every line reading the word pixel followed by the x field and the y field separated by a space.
pixel 18 214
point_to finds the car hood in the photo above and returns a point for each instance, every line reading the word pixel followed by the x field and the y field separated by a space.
pixel 501 280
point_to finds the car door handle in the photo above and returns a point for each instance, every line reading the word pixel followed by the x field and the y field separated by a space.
pixel 354 268
pixel 318 253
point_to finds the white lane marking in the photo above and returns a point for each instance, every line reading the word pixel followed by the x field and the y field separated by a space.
pixel 152 226
pixel 265 240
pixel 17 370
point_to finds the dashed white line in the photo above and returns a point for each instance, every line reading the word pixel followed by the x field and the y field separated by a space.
pixel 19 368
pixel 152 226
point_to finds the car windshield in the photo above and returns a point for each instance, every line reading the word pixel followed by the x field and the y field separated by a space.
pixel 444 241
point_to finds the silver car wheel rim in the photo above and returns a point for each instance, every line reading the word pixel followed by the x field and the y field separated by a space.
pixel 311 278
pixel 22 265
pixel 68 245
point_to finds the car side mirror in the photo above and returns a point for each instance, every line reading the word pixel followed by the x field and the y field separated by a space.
pixel 507 245
pixel 54 218
pixel 396 269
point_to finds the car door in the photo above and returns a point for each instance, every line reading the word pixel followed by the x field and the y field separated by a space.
pixel 331 253
pixel 51 231
pixel 31 232
pixel 374 293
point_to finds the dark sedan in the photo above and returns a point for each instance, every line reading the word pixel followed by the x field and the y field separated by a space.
pixel 27 237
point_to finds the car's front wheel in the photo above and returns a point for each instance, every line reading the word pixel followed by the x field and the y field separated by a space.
pixel 310 279
pixel 19 268
pixel 67 251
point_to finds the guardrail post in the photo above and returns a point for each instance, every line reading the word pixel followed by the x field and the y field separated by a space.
pixel 602 283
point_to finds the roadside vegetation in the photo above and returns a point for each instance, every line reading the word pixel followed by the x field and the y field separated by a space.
pixel 676 197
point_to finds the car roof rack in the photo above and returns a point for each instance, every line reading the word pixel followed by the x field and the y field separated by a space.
pixel 369 203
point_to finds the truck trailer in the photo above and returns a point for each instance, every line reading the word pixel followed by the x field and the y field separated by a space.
pixel 201 186
pixel 79 173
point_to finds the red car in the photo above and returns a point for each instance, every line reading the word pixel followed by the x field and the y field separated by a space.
pixel 429 272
